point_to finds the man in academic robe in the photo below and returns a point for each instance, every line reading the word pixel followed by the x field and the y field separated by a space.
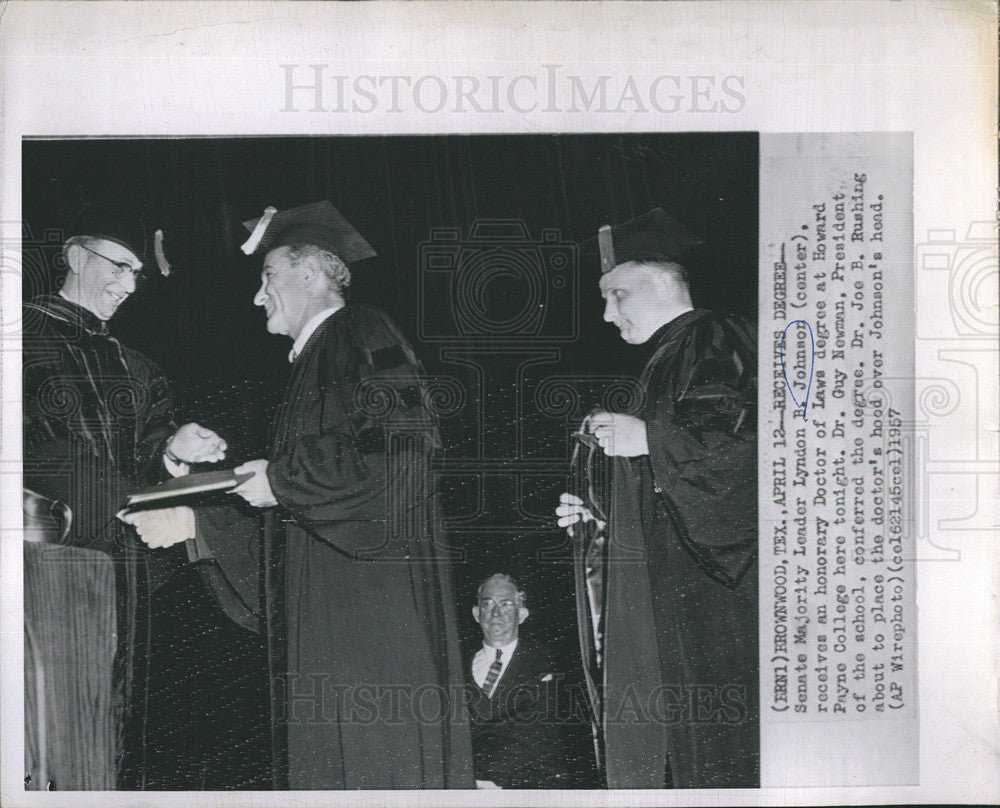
pixel 97 424
pixel 527 729
pixel 366 675
pixel 677 618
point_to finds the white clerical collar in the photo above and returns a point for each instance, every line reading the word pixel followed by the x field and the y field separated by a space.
pixel 307 332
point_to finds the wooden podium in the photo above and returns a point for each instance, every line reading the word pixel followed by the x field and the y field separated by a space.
pixel 69 650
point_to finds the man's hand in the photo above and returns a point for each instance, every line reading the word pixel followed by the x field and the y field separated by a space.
pixel 256 490
pixel 618 435
pixel 572 510
pixel 195 444
pixel 162 527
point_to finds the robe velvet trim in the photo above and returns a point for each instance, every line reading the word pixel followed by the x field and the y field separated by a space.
pixel 680 619
pixel 355 592
pixel 96 418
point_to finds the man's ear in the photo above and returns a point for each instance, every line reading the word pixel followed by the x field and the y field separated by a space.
pixel 307 267
pixel 522 614
pixel 75 257
pixel 665 284
pixel 475 613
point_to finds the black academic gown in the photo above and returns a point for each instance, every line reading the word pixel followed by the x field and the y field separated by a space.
pixel 680 675
pixel 367 679
pixel 96 418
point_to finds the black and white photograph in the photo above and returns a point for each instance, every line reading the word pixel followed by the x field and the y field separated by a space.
pixel 391 463
pixel 495 403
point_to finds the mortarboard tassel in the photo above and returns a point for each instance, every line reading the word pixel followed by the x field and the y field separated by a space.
pixel 161 258
pixel 251 243
pixel 606 244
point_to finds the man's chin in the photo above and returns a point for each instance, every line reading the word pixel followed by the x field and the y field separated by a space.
pixel 108 306
pixel 634 339
pixel 106 313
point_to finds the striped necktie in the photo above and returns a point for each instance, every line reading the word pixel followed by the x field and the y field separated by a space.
pixel 493 674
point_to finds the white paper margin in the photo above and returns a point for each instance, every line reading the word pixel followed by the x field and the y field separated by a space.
pixel 213 68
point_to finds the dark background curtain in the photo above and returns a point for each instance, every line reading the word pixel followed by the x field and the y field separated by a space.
pixel 508 310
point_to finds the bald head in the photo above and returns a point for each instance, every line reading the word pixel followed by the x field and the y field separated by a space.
pixel 642 297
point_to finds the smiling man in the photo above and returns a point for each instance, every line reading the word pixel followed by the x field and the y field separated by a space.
pixel 98 423
pixel 526 729
pixel 358 607
pixel 364 591
pixel 675 626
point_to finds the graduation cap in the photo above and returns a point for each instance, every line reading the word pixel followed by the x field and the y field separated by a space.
pixel 653 236
pixel 113 221
pixel 318 223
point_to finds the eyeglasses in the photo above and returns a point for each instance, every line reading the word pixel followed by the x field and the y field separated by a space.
pixel 120 267
pixel 506 606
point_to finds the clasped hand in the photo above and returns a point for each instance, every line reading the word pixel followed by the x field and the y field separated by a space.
pixel 257 490
pixel 193 443
pixel 618 434
pixel 162 527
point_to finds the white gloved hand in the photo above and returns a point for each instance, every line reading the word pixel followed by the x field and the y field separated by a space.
pixel 257 490
pixel 618 434
pixel 162 527
pixel 193 443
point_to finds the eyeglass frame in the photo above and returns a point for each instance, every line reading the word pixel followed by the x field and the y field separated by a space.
pixel 120 267
pixel 506 605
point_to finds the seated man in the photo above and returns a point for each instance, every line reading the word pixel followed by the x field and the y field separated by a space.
pixel 528 730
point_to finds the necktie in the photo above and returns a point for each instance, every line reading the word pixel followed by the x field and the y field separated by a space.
pixel 493 673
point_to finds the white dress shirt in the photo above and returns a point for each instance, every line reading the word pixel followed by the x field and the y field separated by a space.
pixel 307 332
pixel 484 659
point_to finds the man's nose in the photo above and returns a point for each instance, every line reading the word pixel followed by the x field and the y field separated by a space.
pixel 127 280
pixel 608 315
pixel 258 299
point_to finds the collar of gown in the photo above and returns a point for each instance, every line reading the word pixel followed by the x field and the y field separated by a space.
pixel 310 328
pixel 673 328
pixel 64 309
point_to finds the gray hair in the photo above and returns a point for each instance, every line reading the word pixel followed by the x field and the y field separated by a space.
pixel 62 263
pixel 522 599
pixel 337 274
pixel 78 241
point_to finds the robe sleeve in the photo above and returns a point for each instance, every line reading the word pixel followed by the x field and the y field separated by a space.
pixel 340 466
pixel 155 420
pixel 226 550
pixel 703 445
pixel 64 455
pixel 325 478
